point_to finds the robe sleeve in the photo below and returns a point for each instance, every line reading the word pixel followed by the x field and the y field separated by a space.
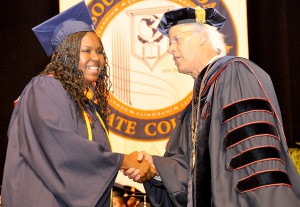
pixel 250 164
pixel 78 172
pixel 173 169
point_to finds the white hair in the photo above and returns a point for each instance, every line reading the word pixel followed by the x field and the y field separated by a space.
pixel 216 38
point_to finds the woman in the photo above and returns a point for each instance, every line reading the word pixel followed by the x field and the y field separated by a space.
pixel 59 152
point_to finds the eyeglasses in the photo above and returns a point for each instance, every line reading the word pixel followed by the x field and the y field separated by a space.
pixel 177 37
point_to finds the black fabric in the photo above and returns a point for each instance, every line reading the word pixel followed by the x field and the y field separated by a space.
pixel 249 82
pixel 241 134
pixel 48 144
pixel 245 106
pixel 202 173
pixel 187 15
pixel 173 190
pixel 253 155
pixel 262 179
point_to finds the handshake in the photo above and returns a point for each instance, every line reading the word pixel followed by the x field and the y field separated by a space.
pixel 138 166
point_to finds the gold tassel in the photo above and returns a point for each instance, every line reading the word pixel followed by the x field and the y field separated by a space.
pixel 200 15
pixel 89 94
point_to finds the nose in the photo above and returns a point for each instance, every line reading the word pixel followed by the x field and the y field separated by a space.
pixel 171 48
pixel 95 56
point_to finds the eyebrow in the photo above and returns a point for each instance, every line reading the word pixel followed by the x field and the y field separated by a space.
pixel 87 46
pixel 176 35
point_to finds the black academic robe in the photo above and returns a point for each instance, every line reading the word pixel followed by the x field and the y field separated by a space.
pixel 50 161
pixel 242 156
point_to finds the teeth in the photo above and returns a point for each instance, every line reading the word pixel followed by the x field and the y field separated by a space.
pixel 92 67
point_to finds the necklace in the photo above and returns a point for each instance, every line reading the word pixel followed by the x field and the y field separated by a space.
pixel 195 123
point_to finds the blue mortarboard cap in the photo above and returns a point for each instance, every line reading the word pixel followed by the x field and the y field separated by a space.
pixel 53 31
pixel 188 15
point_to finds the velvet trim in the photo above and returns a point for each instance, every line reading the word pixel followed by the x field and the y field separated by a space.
pixel 254 155
pixel 263 179
pixel 243 106
pixel 245 132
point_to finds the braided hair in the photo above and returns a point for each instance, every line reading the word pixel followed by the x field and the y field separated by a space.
pixel 64 67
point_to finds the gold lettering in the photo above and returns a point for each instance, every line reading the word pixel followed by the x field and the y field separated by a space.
pixel 211 5
pixel 121 122
pixel 130 129
pixel 119 125
pixel 161 125
pixel 99 6
pixel 111 119
pixel 151 129
pixel 147 129
pixel 173 123
pixel 228 48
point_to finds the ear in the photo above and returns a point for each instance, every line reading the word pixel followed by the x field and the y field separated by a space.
pixel 203 37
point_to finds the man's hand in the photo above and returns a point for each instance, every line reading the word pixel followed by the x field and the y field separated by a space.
pixel 140 169
pixel 134 173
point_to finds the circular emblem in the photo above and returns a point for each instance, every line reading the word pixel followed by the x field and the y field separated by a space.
pixel 147 93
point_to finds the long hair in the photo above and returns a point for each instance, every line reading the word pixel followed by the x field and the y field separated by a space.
pixel 64 67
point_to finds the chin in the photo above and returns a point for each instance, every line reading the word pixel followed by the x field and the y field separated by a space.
pixel 91 79
pixel 181 70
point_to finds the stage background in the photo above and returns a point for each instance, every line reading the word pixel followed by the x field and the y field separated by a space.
pixel 273 31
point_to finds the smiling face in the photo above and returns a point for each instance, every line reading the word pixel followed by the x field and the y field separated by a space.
pixel 185 46
pixel 91 59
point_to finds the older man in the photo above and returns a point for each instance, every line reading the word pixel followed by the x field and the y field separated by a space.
pixel 229 147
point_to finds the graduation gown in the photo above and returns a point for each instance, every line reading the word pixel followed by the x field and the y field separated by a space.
pixel 50 161
pixel 242 158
